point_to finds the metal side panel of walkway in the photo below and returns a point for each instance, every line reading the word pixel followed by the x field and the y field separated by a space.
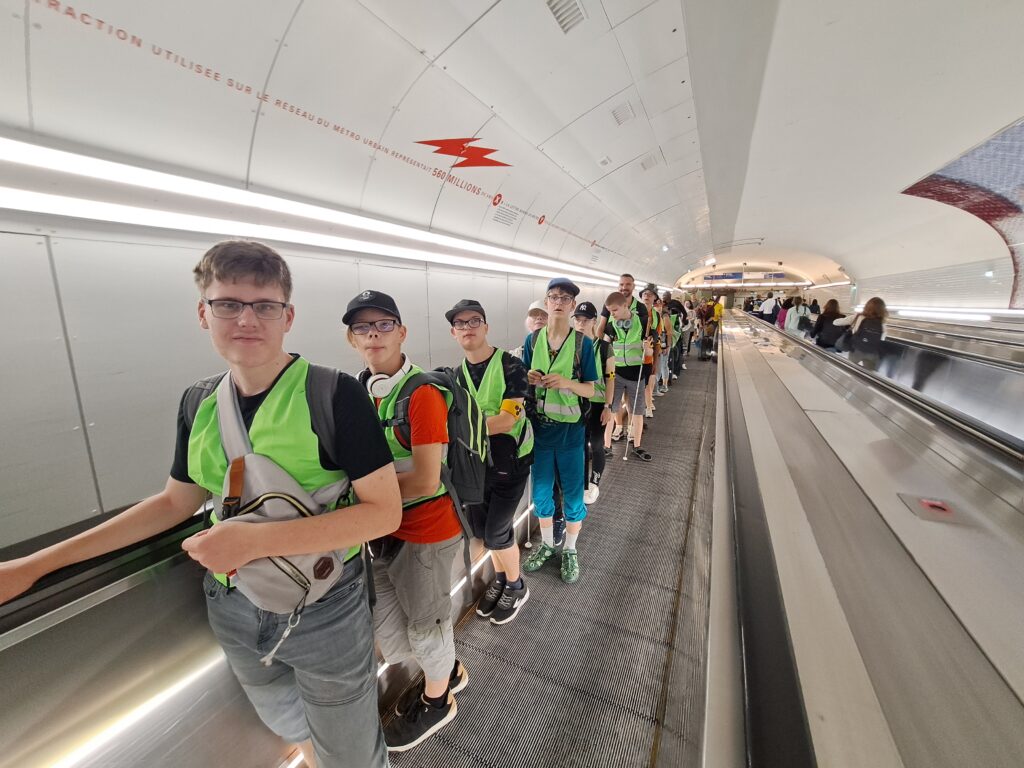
pixel 609 671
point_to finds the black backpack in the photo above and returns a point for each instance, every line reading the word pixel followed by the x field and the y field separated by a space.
pixel 867 339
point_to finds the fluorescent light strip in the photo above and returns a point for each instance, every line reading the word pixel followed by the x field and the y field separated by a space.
pixel 38 202
pixel 23 153
pixel 125 722
pixel 831 285
pixel 295 762
pixel 943 315
pixel 947 310
pixel 734 284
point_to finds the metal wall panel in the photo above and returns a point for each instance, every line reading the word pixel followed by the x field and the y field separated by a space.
pixel 13 79
pixel 322 290
pixel 45 478
pixel 137 344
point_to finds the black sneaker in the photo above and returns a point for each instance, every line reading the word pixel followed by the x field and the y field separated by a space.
pixel 458 680
pixel 640 453
pixel 419 723
pixel 490 599
pixel 511 601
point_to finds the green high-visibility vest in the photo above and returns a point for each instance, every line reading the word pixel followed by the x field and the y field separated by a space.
pixel 281 430
pixel 556 404
pixel 628 345
pixel 401 454
pixel 490 395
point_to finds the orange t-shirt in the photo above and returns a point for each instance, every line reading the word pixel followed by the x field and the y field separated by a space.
pixel 435 520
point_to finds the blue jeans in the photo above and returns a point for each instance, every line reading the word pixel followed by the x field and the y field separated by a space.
pixel 322 683
pixel 560 445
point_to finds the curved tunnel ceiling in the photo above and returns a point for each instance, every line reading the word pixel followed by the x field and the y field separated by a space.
pixel 482 120
pixel 488 121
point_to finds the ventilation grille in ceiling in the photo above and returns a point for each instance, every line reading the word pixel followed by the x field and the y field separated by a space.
pixel 568 13
pixel 649 162
pixel 623 113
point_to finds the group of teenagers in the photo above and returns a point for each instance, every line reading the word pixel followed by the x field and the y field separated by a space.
pixel 373 456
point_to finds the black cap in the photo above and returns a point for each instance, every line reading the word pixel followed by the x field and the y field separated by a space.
pixel 371 300
pixel 585 309
pixel 465 305
pixel 650 288
pixel 565 284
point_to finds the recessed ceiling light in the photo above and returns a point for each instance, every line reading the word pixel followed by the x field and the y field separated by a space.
pixel 664 249
pixel 989 273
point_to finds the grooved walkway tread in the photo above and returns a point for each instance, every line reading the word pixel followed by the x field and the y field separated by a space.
pixel 576 679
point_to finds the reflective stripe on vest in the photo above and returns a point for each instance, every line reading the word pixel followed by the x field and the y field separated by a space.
pixel 556 404
pixel 490 395
pixel 401 454
pixel 601 384
pixel 281 430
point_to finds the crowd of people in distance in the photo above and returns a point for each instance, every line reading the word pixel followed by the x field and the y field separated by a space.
pixel 860 334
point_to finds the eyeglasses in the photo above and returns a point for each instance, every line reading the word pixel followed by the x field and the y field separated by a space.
pixel 229 309
pixel 473 322
pixel 560 298
pixel 381 326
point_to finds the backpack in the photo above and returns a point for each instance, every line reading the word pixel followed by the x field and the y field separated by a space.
pixel 464 470
pixel 867 339
pixel 577 371
pixel 803 322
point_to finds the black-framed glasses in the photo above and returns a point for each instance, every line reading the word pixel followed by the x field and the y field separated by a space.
pixel 473 322
pixel 560 298
pixel 229 309
pixel 381 326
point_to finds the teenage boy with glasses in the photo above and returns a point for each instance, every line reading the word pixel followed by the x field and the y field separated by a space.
pixel 497 381
pixel 412 567
pixel 560 385
pixel 320 690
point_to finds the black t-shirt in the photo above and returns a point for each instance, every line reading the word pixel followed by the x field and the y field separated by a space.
pixel 359 442
pixel 516 383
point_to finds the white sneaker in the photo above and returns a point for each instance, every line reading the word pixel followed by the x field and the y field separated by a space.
pixel 684 368
pixel 649 413
pixel 659 392
pixel 590 495
pixel 675 376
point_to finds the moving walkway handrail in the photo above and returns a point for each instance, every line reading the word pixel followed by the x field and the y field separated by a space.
pixel 956 335
pixel 979 431
pixel 1011 365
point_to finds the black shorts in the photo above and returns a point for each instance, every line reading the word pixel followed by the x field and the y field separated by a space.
pixel 492 520
pixel 646 371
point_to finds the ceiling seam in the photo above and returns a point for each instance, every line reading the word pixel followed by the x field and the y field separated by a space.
pixel 28 67
pixel 266 83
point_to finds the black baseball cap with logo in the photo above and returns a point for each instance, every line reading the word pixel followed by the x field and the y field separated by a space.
pixel 585 309
pixel 371 300
pixel 465 305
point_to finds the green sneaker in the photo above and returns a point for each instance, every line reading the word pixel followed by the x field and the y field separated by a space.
pixel 570 566
pixel 538 558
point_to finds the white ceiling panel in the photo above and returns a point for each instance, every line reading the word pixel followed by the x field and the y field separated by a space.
pixel 13 82
pixel 167 89
pixel 666 88
pixel 518 62
pixel 620 10
pixel 435 108
pixel 653 37
pixel 327 157
pixel 430 27
pixel 674 122
pixel 683 149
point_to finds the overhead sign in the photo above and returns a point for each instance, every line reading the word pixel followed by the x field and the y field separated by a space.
pixel 725 276
pixel 772 275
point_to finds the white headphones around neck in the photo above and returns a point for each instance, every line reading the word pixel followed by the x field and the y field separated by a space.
pixel 624 324
pixel 381 384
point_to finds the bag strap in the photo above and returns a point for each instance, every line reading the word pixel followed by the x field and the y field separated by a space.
pixel 321 386
pixel 195 395
pixel 234 437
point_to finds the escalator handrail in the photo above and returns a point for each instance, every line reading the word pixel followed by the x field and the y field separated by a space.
pixel 983 433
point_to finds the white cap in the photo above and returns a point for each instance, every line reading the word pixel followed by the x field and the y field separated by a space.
pixel 537 305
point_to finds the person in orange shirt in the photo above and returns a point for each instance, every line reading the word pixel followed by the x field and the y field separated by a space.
pixel 412 567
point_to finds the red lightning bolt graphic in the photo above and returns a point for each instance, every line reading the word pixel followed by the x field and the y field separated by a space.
pixel 471 156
